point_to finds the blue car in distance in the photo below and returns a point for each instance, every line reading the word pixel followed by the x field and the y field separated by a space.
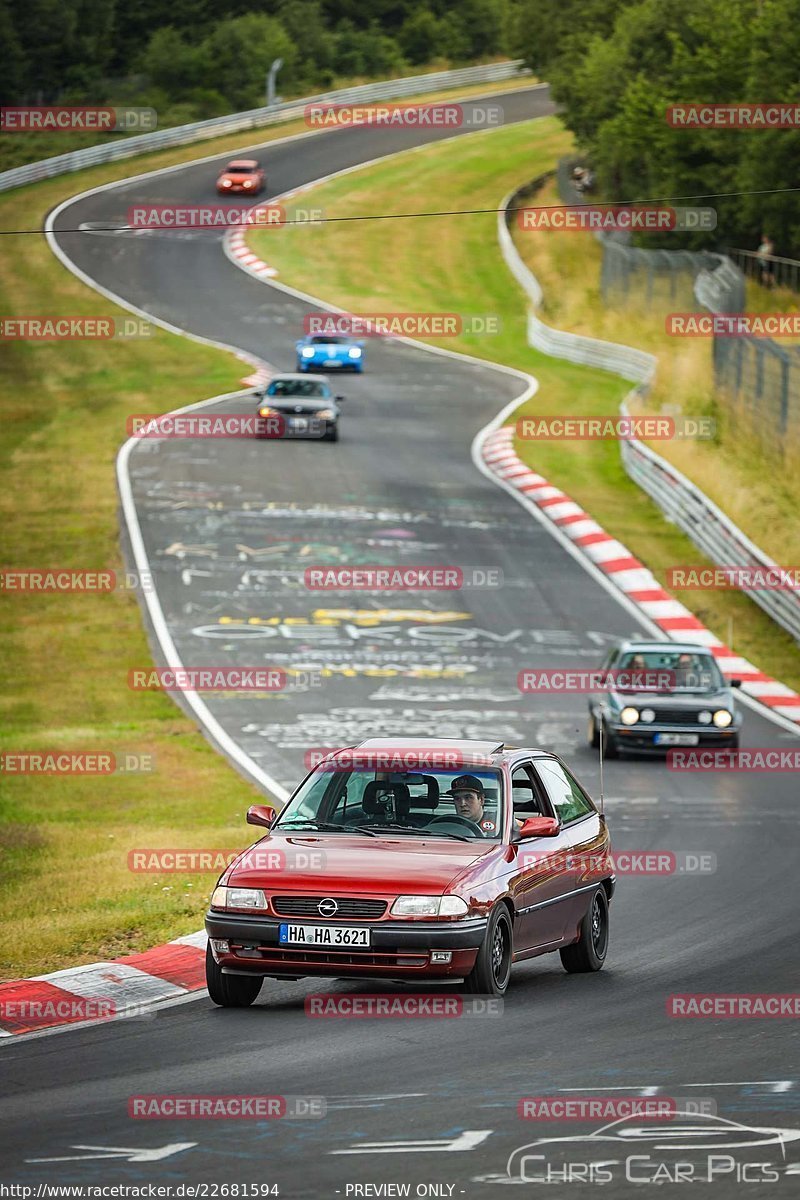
pixel 329 352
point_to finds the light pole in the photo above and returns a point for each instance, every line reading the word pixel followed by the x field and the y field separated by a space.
pixel 271 76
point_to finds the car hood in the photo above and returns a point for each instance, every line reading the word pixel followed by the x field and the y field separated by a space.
pixel 676 700
pixel 384 866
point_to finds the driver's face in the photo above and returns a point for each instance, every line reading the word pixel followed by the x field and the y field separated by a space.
pixel 469 804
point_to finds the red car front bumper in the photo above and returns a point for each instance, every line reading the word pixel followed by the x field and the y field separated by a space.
pixel 398 949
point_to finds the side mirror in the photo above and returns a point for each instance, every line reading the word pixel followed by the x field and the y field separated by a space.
pixel 539 827
pixel 340 398
pixel 737 683
pixel 261 814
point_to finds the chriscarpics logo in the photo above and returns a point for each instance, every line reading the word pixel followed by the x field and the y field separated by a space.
pixel 683 1148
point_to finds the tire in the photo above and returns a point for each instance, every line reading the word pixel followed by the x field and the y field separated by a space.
pixel 589 952
pixel 490 975
pixel 610 745
pixel 594 732
pixel 230 991
pixel 332 435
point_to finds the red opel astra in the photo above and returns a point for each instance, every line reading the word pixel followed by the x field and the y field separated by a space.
pixel 427 860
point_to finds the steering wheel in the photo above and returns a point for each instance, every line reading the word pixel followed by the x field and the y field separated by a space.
pixel 473 826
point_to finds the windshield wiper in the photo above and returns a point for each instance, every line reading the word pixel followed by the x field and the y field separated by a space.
pixel 309 824
pixel 461 837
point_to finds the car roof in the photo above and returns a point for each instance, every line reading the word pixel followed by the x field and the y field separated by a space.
pixel 297 375
pixel 242 162
pixel 654 644
pixel 468 745
pixel 491 749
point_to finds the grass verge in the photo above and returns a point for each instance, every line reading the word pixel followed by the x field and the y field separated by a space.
pixel 447 264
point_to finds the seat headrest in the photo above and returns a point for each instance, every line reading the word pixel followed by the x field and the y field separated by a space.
pixel 377 792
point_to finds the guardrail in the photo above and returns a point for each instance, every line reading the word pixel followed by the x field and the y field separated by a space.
pixel 681 501
pixel 255 118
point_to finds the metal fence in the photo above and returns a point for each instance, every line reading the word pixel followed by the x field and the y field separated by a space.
pixel 256 118
pixel 682 502
pixel 633 275
pixel 783 272
pixel 757 380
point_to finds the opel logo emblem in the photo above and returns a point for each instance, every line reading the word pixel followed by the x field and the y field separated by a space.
pixel 327 907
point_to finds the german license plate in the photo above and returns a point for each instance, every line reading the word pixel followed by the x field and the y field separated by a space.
pixel 677 739
pixel 323 935
pixel 331 362
pixel 298 423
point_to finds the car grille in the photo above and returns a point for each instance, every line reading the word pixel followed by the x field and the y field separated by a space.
pixel 675 716
pixel 306 906
pixel 295 410
pixel 304 956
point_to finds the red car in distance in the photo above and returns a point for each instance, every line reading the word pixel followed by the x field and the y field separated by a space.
pixel 427 860
pixel 244 175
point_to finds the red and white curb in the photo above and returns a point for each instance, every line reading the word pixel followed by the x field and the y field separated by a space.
pixel 236 248
pixel 627 573
pixel 103 991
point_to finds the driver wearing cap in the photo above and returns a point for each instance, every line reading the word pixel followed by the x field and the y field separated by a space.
pixel 469 799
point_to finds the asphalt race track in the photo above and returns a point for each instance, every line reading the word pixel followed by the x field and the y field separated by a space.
pixel 229 528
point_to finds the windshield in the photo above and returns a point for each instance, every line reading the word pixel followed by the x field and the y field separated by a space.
pixel 400 803
pixel 329 341
pixel 297 387
pixel 241 169
pixel 668 671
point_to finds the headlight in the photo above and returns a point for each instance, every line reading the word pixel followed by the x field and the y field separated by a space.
pixel 704 717
pixel 647 714
pixel 307 352
pixel 267 412
pixel 233 897
pixel 629 716
pixel 326 414
pixel 247 183
pixel 227 183
pixel 429 906
pixel 722 718
pixel 354 352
